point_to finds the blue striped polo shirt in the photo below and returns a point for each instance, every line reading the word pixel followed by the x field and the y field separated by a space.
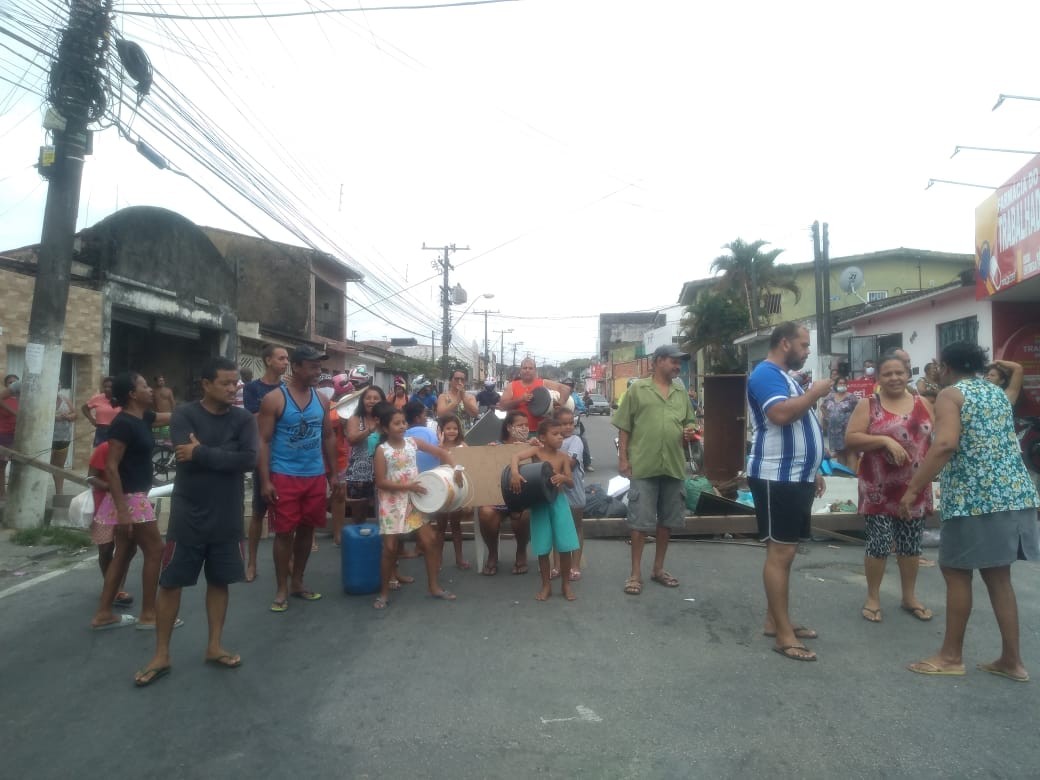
pixel 781 453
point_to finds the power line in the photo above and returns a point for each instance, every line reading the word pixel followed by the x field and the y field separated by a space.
pixel 311 12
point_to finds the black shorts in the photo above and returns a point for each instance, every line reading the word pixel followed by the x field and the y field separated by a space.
pixel 259 505
pixel 181 564
pixel 361 491
pixel 783 509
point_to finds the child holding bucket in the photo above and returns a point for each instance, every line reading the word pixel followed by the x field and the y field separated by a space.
pixel 396 474
pixel 575 450
pixel 449 430
pixel 551 523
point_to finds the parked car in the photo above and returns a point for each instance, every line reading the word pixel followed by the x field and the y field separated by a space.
pixel 598 404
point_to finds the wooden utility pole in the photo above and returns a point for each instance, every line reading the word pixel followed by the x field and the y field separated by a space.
pixel 444 264
pixel 76 94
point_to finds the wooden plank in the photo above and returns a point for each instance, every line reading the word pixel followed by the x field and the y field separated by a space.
pixel 25 460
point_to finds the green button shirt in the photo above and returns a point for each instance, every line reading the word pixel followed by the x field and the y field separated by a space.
pixel 655 427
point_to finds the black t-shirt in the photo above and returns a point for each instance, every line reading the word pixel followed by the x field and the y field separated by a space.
pixel 208 490
pixel 135 469
pixel 253 393
pixel 488 397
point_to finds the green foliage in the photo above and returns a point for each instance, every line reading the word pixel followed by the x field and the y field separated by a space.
pixel 711 324
pixel 753 276
pixel 68 539
pixel 736 304
pixel 575 366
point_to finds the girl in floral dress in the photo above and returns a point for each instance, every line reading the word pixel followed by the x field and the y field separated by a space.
pixel 396 478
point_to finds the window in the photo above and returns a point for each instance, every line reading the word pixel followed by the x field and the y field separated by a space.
pixel 966 329
pixel 876 295
pixel 771 303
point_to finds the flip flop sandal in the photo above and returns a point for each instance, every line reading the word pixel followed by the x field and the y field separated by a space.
pixel 574 575
pixel 785 651
pixel 519 568
pixel 666 579
pixel 1001 673
pixel 122 599
pixel 489 571
pixel 151 626
pixel 225 661
pixel 380 603
pixel 633 587
pixel 279 606
pixel 800 632
pixel 394 585
pixel 554 574
pixel 123 622
pixel 921 613
pixel 306 595
pixel 444 595
pixel 876 614
pixel 927 667
pixel 156 674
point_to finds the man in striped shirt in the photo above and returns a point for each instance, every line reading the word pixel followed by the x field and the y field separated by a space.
pixel 786 452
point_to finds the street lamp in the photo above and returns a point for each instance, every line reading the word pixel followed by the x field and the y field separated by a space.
pixel 958 183
pixel 989 149
pixel 1002 97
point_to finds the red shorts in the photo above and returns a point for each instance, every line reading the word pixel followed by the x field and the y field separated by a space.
pixel 301 501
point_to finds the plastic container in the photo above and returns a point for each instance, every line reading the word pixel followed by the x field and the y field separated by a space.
pixel 361 549
pixel 536 490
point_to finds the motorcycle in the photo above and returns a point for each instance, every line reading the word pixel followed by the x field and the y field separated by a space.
pixel 1028 433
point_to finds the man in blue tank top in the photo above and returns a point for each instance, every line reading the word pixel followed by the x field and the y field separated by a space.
pixel 297 454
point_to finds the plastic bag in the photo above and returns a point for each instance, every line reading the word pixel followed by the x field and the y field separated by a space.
pixel 81 510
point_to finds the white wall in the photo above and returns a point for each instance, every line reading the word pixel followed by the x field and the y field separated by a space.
pixel 923 319
pixel 667 333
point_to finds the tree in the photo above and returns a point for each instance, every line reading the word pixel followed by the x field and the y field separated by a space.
pixel 711 323
pixel 754 276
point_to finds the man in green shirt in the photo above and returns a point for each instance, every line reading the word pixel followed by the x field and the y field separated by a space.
pixel 654 420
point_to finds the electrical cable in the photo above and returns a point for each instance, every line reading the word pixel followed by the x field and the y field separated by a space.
pixel 312 12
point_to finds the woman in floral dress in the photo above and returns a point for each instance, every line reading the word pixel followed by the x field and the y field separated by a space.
pixel 892 428
pixel 988 505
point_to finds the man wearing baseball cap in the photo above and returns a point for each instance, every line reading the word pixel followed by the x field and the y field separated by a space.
pixel 654 420
pixel 297 455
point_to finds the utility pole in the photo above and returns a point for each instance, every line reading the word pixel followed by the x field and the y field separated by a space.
pixel 444 264
pixel 487 349
pixel 76 94
pixel 825 334
pixel 501 352
pixel 515 345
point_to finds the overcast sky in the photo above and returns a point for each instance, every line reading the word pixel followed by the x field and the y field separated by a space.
pixel 594 155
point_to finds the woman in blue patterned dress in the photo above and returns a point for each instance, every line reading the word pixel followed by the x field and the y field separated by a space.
pixel 988 506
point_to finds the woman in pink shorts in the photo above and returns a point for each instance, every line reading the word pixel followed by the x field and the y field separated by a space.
pixel 128 471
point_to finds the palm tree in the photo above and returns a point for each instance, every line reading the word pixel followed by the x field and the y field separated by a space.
pixel 711 323
pixel 754 275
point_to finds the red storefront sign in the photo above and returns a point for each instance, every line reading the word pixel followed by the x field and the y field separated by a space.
pixel 1007 233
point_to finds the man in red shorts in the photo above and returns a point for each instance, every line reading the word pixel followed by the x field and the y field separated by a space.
pixel 297 457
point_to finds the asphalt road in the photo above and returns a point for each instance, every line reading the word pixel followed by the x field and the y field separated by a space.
pixel 674 683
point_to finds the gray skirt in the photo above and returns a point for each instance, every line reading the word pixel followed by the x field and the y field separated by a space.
pixel 989 541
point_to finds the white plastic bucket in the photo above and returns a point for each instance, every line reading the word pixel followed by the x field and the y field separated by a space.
pixel 442 494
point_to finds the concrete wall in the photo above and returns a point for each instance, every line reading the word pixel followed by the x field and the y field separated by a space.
pixel 82 339
pixel 919 322
pixel 893 275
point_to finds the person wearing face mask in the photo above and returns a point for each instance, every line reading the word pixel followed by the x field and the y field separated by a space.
pixel 868 368
pixel 835 411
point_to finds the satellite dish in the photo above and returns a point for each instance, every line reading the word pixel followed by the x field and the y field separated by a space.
pixel 851 279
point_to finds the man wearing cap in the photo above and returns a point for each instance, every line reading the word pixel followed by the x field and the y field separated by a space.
pixel 654 420
pixel 422 391
pixel 519 393
pixel 297 455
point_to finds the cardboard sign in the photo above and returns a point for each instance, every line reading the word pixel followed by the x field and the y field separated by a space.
pixel 484 470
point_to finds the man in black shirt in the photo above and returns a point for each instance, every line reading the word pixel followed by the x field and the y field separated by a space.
pixel 488 397
pixel 276 362
pixel 215 444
